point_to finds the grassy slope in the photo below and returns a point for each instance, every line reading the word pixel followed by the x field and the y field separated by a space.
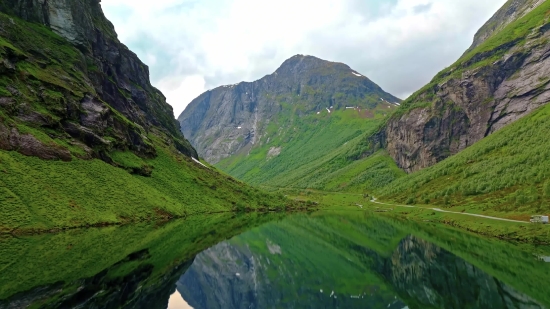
pixel 310 147
pixel 491 50
pixel 36 194
pixel 508 171
pixel 51 74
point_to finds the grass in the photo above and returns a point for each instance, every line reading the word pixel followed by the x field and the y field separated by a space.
pixel 44 195
pixel 505 173
pixel 306 142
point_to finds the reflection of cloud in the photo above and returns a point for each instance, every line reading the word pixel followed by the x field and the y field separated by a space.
pixel 399 44
pixel 176 301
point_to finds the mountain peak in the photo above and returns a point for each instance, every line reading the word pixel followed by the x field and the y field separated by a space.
pixel 302 63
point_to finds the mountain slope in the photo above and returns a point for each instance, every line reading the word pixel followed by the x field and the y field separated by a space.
pixel 508 171
pixel 84 137
pixel 503 78
pixel 306 109
pixel 231 119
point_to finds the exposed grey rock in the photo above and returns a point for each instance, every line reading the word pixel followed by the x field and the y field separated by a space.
pixel 462 110
pixel 232 118
pixel 107 80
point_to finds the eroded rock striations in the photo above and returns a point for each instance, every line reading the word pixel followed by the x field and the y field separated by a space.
pixel 502 79
pixel 64 72
pixel 228 119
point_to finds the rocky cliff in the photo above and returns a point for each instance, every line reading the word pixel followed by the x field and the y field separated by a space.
pixel 66 75
pixel 229 119
pixel 504 77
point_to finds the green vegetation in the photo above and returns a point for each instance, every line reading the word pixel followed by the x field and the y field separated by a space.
pixel 507 172
pixel 313 149
pixel 39 195
pixel 491 50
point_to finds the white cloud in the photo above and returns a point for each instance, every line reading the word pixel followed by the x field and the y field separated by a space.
pixel 195 45
pixel 179 91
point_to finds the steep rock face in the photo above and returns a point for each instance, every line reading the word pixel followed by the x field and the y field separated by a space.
pixel 502 80
pixel 229 119
pixel 82 84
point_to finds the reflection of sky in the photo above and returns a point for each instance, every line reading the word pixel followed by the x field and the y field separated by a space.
pixel 177 302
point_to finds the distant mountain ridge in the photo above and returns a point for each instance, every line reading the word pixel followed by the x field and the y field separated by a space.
pixel 229 119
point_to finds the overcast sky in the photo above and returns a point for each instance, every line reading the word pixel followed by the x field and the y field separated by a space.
pixel 195 45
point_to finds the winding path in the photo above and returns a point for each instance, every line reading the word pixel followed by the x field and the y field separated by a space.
pixel 451 212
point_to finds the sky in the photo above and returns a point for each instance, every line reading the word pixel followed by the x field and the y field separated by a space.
pixel 192 46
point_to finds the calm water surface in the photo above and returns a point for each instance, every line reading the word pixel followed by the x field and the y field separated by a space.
pixel 320 260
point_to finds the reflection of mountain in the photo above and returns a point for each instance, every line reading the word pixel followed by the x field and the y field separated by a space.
pixel 278 266
pixel 434 276
pixel 232 276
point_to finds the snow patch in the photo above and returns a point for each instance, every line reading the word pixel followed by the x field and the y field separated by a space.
pixel 356 74
pixel 237 274
pixel 199 162
pixel 328 110
pixel 318 113
pixel 239 127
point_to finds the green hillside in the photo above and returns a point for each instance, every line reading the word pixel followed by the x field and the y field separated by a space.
pixel 42 195
pixel 505 172
pixel 84 144
pixel 308 145
pixel 508 171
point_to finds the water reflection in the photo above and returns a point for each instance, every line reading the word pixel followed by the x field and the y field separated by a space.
pixel 176 301
pixel 324 260
pixel 339 262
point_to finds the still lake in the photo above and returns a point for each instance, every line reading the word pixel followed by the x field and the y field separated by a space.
pixel 338 259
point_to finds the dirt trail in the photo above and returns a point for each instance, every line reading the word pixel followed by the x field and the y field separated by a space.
pixel 451 212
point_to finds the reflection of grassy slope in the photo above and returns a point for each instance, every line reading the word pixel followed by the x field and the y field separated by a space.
pixel 513 264
pixel 311 146
pixel 323 251
pixel 327 246
pixel 43 195
pixel 41 260
pixel 509 171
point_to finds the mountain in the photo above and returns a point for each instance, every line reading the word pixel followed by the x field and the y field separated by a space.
pixel 502 78
pixel 307 108
pixel 84 137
